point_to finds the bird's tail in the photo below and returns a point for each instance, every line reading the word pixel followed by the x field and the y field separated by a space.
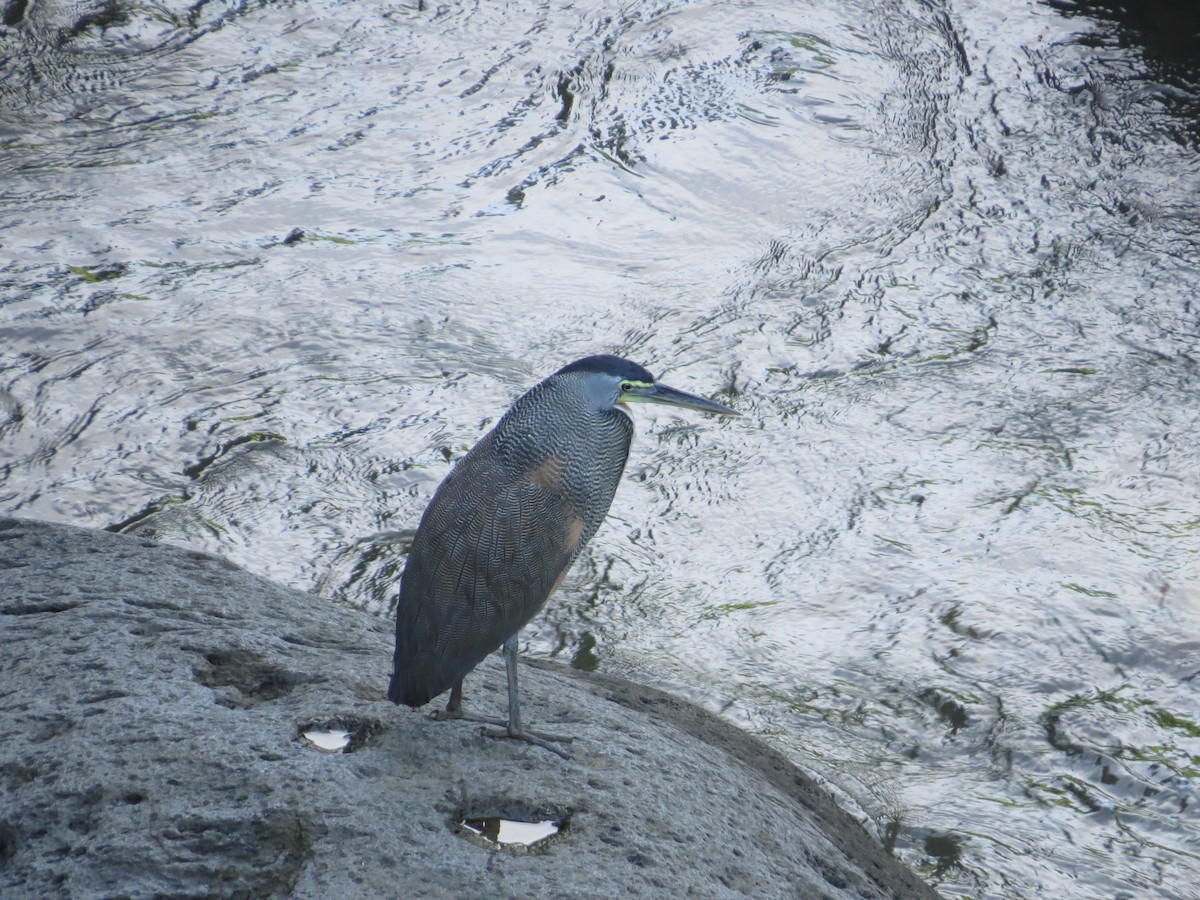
pixel 406 690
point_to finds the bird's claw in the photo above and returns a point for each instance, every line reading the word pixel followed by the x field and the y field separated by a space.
pixel 502 729
pixel 546 742
pixel 443 715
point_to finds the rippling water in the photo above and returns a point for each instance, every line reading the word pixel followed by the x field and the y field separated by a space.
pixel 266 270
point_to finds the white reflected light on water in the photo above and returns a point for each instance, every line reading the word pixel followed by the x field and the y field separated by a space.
pixel 512 831
pixel 333 740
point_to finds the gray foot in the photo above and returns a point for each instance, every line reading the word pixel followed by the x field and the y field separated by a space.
pixel 545 741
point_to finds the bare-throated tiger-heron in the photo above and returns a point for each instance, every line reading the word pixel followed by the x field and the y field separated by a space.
pixel 506 523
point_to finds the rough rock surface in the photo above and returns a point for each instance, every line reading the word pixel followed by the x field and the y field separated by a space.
pixel 152 701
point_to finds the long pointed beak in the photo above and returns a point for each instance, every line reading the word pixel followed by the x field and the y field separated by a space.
pixel 669 396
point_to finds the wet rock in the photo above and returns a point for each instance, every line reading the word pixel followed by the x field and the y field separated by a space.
pixel 12 12
pixel 152 716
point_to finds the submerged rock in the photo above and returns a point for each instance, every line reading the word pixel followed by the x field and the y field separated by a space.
pixel 153 707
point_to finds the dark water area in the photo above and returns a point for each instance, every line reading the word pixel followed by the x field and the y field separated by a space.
pixel 268 269
pixel 1165 32
pixel 1163 36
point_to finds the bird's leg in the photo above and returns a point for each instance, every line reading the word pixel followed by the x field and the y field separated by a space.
pixel 514 729
pixel 514 700
pixel 454 709
pixel 454 704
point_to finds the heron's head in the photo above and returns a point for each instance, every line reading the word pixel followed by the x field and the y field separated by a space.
pixel 615 383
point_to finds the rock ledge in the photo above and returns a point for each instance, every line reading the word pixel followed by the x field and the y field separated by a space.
pixel 151 710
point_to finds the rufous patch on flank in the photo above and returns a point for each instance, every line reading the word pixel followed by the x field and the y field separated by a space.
pixel 549 474
pixel 574 532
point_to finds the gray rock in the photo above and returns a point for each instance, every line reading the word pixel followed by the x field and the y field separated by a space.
pixel 151 708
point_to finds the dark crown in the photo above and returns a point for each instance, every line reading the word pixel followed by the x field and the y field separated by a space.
pixel 607 364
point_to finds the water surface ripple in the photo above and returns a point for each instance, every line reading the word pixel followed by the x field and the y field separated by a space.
pixel 268 269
